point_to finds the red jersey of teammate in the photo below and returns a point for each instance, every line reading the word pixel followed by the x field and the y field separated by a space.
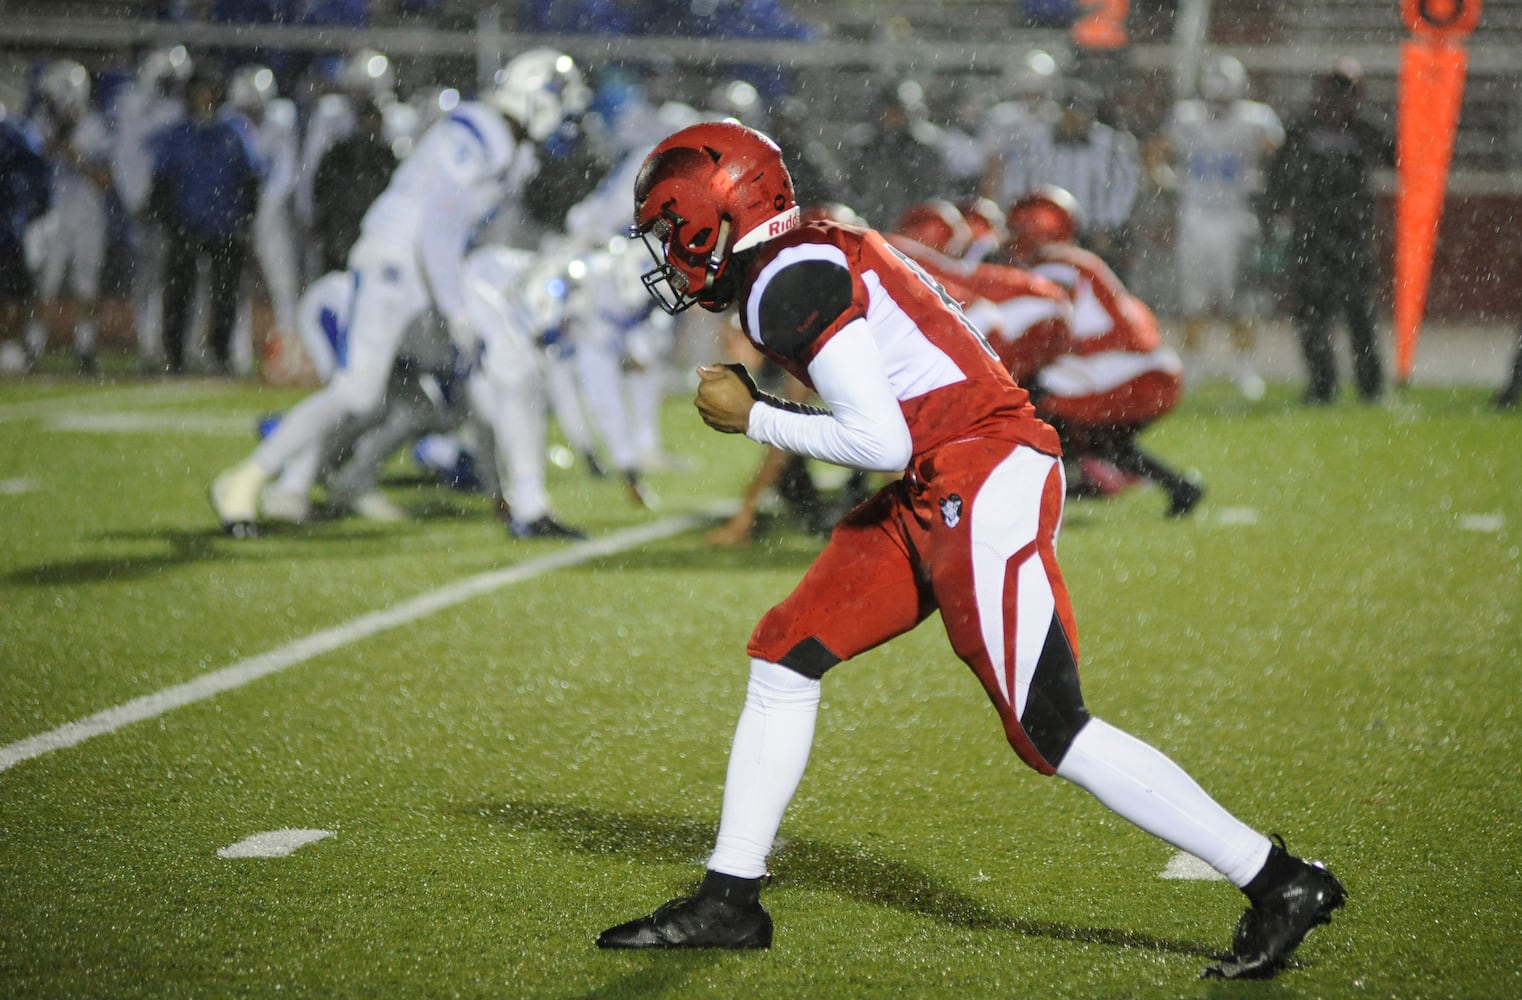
pixel 1106 317
pixel 1119 372
pixel 1026 316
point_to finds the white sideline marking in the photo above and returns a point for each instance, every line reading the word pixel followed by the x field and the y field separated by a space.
pixel 273 843
pixel 1487 523
pixel 1237 516
pixel 15 487
pixel 1184 865
pixel 251 669
pixel 139 422
pixel 35 409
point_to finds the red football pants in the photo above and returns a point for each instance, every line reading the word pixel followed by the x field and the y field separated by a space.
pixel 971 532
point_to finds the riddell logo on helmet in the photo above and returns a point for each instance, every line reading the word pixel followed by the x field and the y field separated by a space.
pixel 785 223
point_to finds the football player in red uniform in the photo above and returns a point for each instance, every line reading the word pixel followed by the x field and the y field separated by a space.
pixel 1026 318
pixel 969 529
pixel 1118 376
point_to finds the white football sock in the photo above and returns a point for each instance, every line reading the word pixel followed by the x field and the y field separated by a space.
pixel 1144 786
pixel 766 762
pixel 84 337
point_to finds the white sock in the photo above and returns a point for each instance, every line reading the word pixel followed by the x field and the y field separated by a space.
pixel 84 337
pixel 36 337
pixel 1145 787
pixel 766 762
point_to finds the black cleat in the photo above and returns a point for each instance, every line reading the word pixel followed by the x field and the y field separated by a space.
pixel 695 922
pixel 545 527
pixel 1183 498
pixel 1271 929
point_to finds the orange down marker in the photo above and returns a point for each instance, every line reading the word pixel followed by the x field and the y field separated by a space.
pixel 1431 90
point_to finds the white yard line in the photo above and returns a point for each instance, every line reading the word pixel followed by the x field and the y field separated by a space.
pixel 251 669
pixel 94 397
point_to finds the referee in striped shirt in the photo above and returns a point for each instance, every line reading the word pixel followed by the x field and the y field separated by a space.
pixel 1101 166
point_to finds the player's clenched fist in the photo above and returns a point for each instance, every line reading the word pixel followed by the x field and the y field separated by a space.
pixel 724 398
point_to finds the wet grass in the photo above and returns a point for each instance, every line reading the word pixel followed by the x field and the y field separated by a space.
pixel 1330 644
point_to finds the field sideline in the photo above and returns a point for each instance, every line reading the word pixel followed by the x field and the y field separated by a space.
pixel 468 755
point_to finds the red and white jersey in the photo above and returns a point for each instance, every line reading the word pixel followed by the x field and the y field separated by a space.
pixel 1026 317
pixel 909 341
pixel 1119 371
pixel 1106 317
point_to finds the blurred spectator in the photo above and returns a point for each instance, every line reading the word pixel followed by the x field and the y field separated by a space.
pixel 286 65
pixel 812 156
pixel 739 19
pixel 205 189
pixel 25 194
pixel 68 244
pixel 1321 179
pixel 1218 144
pixel 1028 92
pixel 591 17
pixel 154 100
pixel 165 10
pixel 362 77
pixel 1100 165
pixel 896 161
pixel 350 176
pixel 255 13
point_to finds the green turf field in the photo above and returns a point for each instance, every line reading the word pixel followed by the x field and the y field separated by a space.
pixel 509 761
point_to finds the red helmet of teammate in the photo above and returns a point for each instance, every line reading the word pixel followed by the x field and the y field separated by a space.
pixel 833 211
pixel 989 231
pixel 1048 214
pixel 706 193
pixel 937 224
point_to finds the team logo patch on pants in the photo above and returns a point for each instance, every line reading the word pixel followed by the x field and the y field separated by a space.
pixel 951 510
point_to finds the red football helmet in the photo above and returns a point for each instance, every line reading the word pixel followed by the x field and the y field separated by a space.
pixel 937 224
pixel 989 231
pixel 1048 214
pixel 706 193
pixel 833 211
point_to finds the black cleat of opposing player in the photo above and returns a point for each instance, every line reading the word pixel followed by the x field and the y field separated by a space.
pixel 1270 930
pixel 701 921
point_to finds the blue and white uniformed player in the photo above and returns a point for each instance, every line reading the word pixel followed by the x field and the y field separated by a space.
pixel 411 251
pixel 1219 143
pixel 322 326
pixel 623 346
pixel 505 387
pixel 273 136
pixel 68 244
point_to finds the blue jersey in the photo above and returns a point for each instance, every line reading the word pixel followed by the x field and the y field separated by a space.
pixel 206 176
pixel 25 190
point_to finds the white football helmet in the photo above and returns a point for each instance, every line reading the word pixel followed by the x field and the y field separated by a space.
pixel 1223 79
pixel 1035 77
pixel 251 88
pixel 367 73
pixel 540 90
pixel 165 69
pixel 65 85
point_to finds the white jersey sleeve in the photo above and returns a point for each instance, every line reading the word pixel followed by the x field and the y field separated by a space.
pixel 461 171
pixel 865 428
